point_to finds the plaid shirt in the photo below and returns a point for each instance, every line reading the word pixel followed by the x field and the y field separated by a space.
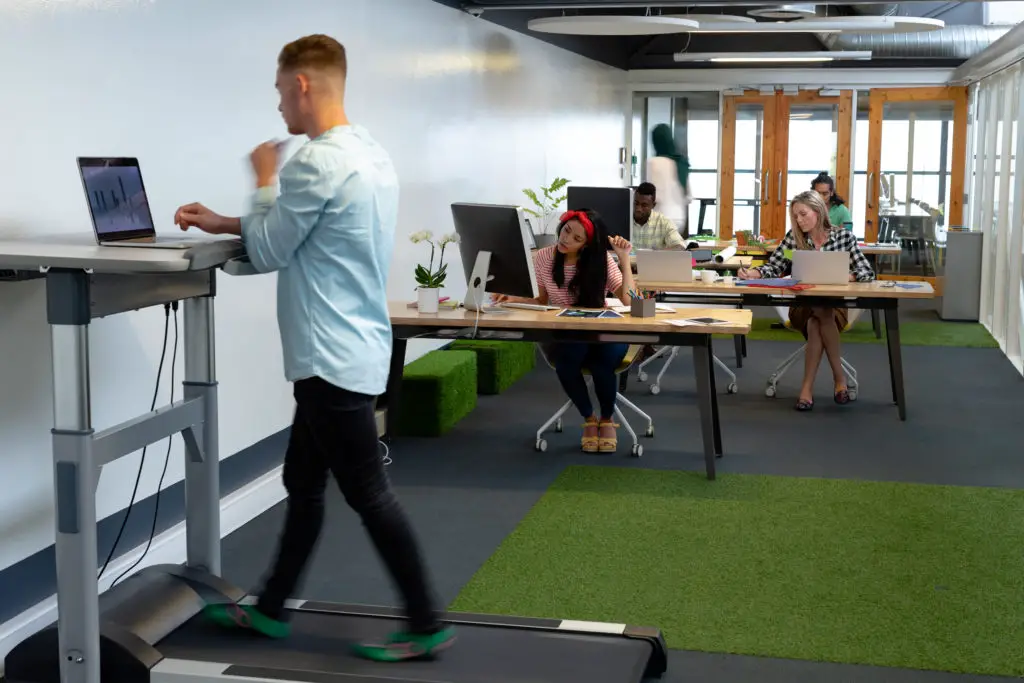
pixel 657 233
pixel 838 240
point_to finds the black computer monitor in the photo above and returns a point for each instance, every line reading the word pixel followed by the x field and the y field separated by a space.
pixel 494 242
pixel 615 204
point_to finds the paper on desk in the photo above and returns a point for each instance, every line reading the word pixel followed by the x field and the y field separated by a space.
pixel 659 308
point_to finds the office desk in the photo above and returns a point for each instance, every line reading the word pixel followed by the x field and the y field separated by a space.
pixel 863 295
pixel 84 282
pixel 546 326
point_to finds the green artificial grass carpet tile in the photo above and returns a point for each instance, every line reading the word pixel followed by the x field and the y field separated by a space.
pixel 889 574
pixel 939 333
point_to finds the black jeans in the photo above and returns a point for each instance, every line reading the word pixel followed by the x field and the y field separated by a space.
pixel 334 431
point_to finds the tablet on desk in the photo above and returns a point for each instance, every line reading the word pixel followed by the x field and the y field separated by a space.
pixel 588 313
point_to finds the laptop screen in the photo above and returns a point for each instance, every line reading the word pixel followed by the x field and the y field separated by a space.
pixel 117 197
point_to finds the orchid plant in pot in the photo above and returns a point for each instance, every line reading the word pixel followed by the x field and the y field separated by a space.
pixel 429 279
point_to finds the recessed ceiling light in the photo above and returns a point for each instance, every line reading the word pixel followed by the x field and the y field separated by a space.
pixel 714 18
pixel 766 57
pixel 599 25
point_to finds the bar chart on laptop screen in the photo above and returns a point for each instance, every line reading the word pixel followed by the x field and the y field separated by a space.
pixel 117 199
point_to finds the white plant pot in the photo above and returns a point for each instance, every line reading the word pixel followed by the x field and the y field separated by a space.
pixel 427 299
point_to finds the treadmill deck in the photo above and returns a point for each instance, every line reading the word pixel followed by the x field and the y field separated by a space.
pixel 317 651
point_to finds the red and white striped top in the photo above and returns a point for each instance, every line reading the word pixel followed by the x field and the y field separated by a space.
pixel 543 268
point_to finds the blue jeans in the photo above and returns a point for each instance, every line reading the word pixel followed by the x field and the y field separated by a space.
pixel 602 360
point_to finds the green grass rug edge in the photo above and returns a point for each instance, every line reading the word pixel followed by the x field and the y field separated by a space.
pixel 912 333
pixel 726 579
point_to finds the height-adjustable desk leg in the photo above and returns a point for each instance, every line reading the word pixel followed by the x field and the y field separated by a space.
pixel 202 468
pixel 75 477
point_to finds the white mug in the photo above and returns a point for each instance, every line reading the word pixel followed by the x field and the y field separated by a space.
pixel 708 276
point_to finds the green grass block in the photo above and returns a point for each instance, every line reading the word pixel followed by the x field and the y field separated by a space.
pixel 438 390
pixel 498 363
pixel 831 570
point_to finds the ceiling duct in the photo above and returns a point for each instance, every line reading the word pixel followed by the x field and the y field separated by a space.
pixel 789 11
pixel 949 42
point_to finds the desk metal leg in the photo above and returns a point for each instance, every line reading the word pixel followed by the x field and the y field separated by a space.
pixel 202 469
pixel 892 335
pixel 737 340
pixel 876 323
pixel 703 372
pixel 75 476
pixel 392 397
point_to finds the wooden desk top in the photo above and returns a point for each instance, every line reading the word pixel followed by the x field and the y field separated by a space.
pixel 518 319
pixel 874 290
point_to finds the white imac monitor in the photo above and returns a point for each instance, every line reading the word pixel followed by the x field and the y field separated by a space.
pixel 495 242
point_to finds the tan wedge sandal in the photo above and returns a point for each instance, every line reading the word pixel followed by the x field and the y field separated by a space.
pixel 589 442
pixel 608 440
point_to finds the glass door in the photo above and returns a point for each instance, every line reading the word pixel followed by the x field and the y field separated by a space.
pixel 914 189
pixel 772 147
pixel 749 181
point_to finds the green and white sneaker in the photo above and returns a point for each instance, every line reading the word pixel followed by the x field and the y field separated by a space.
pixel 404 646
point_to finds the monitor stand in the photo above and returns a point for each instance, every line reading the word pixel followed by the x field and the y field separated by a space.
pixel 477 298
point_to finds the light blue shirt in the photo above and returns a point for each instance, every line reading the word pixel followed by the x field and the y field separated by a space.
pixel 330 235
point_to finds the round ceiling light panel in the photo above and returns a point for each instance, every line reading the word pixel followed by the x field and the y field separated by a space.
pixel 714 18
pixel 872 24
pixel 613 25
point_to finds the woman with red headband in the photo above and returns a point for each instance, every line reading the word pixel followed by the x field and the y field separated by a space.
pixel 578 270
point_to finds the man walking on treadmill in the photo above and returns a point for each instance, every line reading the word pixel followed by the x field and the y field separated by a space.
pixel 330 235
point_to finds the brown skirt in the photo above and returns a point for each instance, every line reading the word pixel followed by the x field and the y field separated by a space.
pixel 799 316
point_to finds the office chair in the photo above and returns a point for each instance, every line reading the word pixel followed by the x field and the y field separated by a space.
pixel 851 372
pixel 672 351
pixel 556 420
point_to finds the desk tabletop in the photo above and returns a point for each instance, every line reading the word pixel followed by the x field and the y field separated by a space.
pixel 82 252
pixel 875 290
pixel 739 320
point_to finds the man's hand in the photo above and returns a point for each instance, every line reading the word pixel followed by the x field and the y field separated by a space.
pixel 196 215
pixel 264 160
pixel 749 274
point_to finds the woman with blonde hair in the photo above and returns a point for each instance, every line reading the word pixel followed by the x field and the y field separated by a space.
pixel 820 326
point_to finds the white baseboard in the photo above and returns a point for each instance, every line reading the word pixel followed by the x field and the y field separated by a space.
pixel 237 509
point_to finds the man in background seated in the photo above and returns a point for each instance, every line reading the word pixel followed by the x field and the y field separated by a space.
pixel 652 230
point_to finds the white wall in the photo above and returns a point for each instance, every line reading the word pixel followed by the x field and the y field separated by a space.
pixel 469 111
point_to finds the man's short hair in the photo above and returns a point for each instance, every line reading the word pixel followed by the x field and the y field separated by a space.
pixel 314 52
pixel 646 189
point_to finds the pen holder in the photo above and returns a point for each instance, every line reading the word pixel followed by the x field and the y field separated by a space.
pixel 642 308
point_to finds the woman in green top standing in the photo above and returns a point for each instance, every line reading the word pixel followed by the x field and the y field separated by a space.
pixel 838 214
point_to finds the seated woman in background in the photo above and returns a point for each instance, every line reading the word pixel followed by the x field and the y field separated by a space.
pixel 838 214
pixel 811 229
pixel 579 271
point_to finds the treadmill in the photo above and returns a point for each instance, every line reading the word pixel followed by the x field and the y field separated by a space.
pixel 149 628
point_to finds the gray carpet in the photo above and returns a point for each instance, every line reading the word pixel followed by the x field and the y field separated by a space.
pixel 468 490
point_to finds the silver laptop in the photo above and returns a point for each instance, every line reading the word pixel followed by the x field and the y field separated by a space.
pixel 821 267
pixel 664 265
pixel 119 207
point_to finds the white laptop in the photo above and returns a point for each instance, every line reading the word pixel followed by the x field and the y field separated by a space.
pixel 119 207
pixel 667 265
pixel 821 267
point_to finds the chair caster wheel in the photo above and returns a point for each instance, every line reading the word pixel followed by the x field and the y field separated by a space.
pixel 642 376
pixel 650 432
pixel 852 393
pixel 558 425
pixel 541 445
pixel 638 450
pixel 732 388
pixel 769 392
pixel 655 389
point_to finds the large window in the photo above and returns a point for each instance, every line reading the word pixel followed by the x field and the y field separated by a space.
pixel 694 119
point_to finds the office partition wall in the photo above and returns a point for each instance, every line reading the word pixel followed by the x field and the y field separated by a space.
pixel 997 195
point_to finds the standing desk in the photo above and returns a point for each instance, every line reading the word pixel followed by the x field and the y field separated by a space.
pixel 85 282
pixel 877 295
pixel 546 326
